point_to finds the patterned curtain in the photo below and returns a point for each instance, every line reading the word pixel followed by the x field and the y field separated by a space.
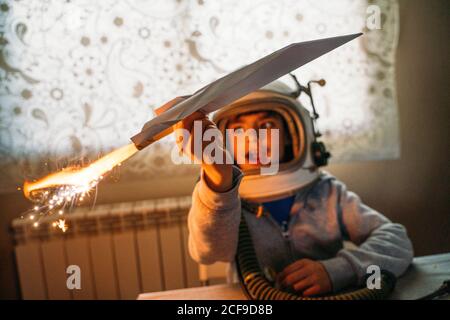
pixel 80 77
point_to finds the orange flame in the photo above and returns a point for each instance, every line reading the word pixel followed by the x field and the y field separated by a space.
pixel 82 178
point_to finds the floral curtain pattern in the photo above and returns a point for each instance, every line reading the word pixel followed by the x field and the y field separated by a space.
pixel 79 77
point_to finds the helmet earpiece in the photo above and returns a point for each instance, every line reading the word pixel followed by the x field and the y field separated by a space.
pixel 319 152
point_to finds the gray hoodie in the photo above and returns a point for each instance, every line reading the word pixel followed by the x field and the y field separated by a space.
pixel 323 216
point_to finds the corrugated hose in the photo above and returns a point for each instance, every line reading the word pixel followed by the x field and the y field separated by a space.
pixel 257 287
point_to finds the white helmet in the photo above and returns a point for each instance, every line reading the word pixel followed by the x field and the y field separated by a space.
pixel 307 153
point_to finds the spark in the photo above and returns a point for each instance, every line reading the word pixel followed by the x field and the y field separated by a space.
pixel 62 225
pixel 82 179
pixel 71 185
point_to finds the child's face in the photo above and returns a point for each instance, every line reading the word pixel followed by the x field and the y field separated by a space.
pixel 256 121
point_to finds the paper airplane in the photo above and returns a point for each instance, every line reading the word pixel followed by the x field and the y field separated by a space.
pixel 235 85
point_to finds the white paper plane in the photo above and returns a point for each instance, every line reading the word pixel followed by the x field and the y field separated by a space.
pixel 235 85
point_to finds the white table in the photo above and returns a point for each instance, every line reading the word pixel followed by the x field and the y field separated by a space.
pixel 424 276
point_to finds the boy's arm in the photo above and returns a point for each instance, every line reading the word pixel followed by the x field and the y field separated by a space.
pixel 380 242
pixel 213 221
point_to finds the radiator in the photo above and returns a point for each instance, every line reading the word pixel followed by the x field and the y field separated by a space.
pixel 122 250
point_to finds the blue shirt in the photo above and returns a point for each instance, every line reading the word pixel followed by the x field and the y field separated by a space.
pixel 280 209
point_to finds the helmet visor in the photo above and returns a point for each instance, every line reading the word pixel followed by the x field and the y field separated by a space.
pixel 260 132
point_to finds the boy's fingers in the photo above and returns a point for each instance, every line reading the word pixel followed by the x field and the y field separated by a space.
pixel 294 277
pixel 186 139
pixel 184 129
pixel 189 120
pixel 303 284
pixel 205 125
pixel 312 291
pixel 291 268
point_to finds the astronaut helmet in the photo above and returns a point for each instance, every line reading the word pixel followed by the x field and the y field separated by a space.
pixel 300 163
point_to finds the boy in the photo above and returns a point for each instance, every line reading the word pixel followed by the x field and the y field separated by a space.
pixel 302 215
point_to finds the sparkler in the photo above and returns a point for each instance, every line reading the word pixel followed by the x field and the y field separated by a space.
pixel 59 192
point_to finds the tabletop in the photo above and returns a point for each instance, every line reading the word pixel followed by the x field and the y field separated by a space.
pixel 425 275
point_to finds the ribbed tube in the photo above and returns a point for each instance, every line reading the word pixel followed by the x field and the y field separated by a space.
pixel 257 287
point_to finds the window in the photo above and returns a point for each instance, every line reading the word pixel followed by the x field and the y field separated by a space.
pixel 79 78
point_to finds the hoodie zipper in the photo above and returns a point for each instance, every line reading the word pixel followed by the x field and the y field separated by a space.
pixel 285 229
pixel 285 232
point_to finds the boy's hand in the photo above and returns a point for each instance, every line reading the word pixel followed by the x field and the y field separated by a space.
pixel 305 276
pixel 218 176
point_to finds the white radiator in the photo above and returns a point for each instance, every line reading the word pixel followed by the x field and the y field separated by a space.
pixel 122 250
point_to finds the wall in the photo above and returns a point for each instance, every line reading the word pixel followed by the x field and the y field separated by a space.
pixel 412 190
